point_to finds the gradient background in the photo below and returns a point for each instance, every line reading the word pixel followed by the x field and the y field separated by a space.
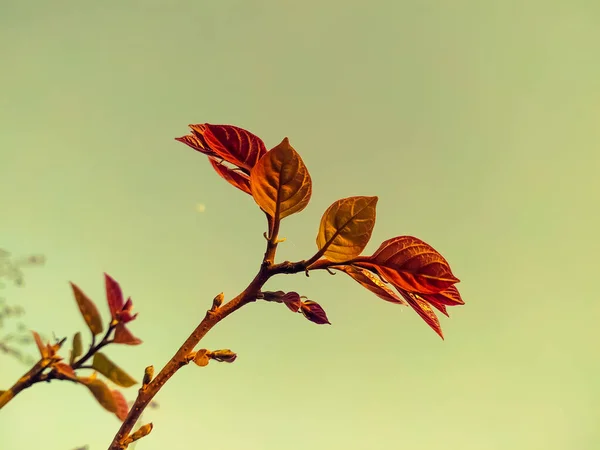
pixel 476 124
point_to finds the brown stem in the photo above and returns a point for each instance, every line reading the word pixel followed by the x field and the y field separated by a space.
pixel 181 357
pixel 213 316
pixel 25 381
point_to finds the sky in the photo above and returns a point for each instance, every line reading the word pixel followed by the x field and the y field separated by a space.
pixel 476 124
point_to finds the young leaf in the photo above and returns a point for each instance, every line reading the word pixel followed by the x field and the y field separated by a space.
pixel 313 312
pixel 448 297
pixel 235 145
pixel 423 309
pixel 114 296
pixel 236 178
pixel 372 282
pixel 292 300
pixel 121 407
pixel 224 355
pixel 280 182
pixel 346 228
pixel 201 358
pixel 43 349
pixel 124 336
pixel 101 392
pixel 111 371
pixel 65 370
pixel 410 265
pixel 77 348
pixel 88 310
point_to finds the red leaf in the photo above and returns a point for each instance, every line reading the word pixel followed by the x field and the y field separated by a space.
pixel 238 179
pixel 124 336
pixel 448 297
pixel 437 305
pixel 235 145
pixel 114 296
pixel 313 312
pixel 121 407
pixel 372 282
pixel 424 310
pixel 411 265
pixel 197 143
pixel 292 300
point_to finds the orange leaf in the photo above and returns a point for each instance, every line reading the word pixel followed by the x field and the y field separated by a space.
pixel 40 345
pixel 372 282
pixel 65 370
pixel 235 145
pixel 410 265
pixel 101 392
pixel 423 309
pixel 346 228
pixel 235 178
pixel 280 182
pixel 88 311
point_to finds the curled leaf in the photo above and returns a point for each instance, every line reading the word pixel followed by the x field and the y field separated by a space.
pixel 410 265
pixel 314 312
pixel 88 310
pixel 111 371
pixel 280 182
pixel 225 355
pixel 346 228
pixel 77 348
pixel 201 358
pixel 372 282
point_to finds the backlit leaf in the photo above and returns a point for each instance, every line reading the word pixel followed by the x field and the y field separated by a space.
pixel 373 283
pixel 101 392
pixel 280 182
pixel 121 407
pixel 77 348
pixel 423 309
pixel 346 228
pixel 411 265
pixel 88 310
pixel 111 371
pixel 236 178
pixel 235 145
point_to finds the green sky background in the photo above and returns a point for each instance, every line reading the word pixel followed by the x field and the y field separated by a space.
pixel 475 122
